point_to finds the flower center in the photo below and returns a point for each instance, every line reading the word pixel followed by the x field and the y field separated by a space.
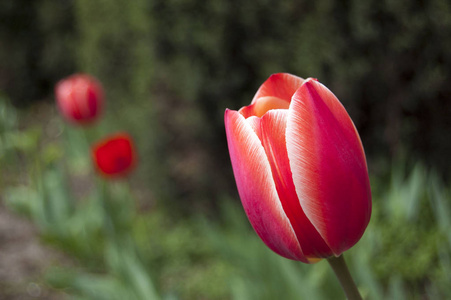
pixel 263 104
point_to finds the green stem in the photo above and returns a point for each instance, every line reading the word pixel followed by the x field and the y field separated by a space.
pixel 338 264
pixel 105 199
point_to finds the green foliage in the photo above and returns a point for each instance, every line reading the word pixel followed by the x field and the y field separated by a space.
pixel 16 146
pixel 404 254
pixel 406 243
pixel 261 274
pixel 119 251
pixel 185 260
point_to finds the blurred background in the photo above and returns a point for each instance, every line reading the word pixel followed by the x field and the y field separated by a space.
pixel 175 228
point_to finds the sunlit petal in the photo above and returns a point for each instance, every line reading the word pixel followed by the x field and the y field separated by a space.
pixel 280 85
pixel 328 165
pixel 273 126
pixel 256 187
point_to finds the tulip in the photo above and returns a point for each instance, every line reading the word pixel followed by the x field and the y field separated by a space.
pixel 79 98
pixel 115 155
pixel 300 169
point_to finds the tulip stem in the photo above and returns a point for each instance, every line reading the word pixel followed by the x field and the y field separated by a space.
pixel 340 268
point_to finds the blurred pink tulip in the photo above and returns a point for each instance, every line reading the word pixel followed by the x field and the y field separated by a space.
pixel 79 98
pixel 300 169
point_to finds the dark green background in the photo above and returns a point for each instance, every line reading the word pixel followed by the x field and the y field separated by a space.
pixel 171 67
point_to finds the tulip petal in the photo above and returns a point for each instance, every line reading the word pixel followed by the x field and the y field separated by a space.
pixel 87 94
pixel 256 187
pixel 275 92
pixel 273 126
pixel 114 156
pixel 329 167
pixel 79 98
pixel 280 85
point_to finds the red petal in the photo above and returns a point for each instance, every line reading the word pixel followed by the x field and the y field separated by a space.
pixel 280 85
pixel 79 98
pixel 274 93
pixel 328 165
pixel 114 156
pixel 273 126
pixel 256 187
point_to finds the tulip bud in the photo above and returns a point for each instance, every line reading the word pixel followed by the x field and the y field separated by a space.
pixel 115 155
pixel 79 98
pixel 300 169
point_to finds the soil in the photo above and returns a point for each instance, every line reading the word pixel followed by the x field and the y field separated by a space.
pixel 23 260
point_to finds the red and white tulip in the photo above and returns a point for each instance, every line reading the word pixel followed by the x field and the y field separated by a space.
pixel 300 169
pixel 80 98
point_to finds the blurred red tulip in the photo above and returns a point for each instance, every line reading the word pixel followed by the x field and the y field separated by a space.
pixel 115 155
pixel 79 98
pixel 300 169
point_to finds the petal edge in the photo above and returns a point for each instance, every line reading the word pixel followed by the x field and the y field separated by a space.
pixel 257 189
pixel 329 166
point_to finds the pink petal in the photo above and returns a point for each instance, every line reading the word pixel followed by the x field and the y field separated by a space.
pixel 264 104
pixel 79 98
pixel 273 126
pixel 280 85
pixel 256 187
pixel 328 165
pixel 275 92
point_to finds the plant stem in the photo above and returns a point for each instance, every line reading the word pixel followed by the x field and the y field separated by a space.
pixel 338 264
pixel 105 202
